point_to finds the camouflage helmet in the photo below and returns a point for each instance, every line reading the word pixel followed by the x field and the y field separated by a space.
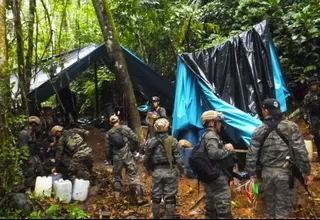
pixel 34 119
pixel 56 129
pixel 161 125
pixel 113 119
pixel 211 116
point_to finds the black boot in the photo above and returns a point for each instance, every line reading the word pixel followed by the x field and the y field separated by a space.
pixel 139 194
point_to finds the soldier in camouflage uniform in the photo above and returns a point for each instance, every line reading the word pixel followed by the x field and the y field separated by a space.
pixel 278 196
pixel 121 157
pixel 218 195
pixel 27 137
pixel 312 109
pixel 73 145
pixel 153 113
pixel 163 158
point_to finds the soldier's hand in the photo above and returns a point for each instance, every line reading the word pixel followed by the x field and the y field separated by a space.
pixel 52 144
pixel 229 147
pixel 308 180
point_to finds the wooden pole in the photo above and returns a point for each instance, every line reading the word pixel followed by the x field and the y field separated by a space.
pixel 96 88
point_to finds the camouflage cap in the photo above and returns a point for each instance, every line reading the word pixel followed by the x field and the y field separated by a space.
pixel 155 99
pixel 113 119
pixel 34 119
pixel 211 116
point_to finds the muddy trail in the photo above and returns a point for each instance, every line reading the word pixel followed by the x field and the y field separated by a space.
pixel 101 202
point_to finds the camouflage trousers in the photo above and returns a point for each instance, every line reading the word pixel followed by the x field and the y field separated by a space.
pixel 278 198
pixel 131 170
pixel 164 185
pixel 81 164
pixel 218 199
pixel 31 170
pixel 315 129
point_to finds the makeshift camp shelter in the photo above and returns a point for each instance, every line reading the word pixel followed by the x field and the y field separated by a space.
pixel 233 78
pixel 59 71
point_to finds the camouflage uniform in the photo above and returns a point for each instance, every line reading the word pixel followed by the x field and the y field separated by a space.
pixel 122 158
pixel 278 197
pixel 164 179
pixel 33 167
pixel 160 112
pixel 218 195
pixel 82 132
pixel 73 145
pixel 312 106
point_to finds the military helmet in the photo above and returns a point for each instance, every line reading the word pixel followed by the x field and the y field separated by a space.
pixel 113 119
pixel 34 119
pixel 211 116
pixel 46 107
pixel 56 129
pixel 312 80
pixel 161 125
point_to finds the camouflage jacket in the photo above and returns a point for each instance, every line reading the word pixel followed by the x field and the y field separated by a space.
pixel 156 153
pixel 26 137
pixel 274 150
pixel 69 143
pixel 214 146
pixel 311 103
pixel 83 132
pixel 130 138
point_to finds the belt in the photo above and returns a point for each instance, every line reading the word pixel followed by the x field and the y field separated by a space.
pixel 164 166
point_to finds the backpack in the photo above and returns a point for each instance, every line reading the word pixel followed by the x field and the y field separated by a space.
pixel 206 170
pixel 116 139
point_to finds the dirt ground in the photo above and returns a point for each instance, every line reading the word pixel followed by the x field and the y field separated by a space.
pixel 101 202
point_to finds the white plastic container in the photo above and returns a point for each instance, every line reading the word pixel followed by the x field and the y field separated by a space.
pixel 62 190
pixel 309 146
pixel 43 186
pixel 80 190
pixel 55 177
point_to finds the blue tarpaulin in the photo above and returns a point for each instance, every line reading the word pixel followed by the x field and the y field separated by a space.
pixel 232 78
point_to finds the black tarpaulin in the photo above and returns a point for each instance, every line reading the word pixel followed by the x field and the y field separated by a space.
pixel 239 71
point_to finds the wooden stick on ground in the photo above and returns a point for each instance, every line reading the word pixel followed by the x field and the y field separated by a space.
pixel 197 201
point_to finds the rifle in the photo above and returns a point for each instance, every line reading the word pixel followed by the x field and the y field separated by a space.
pixel 296 171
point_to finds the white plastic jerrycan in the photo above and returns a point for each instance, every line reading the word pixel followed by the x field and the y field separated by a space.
pixel 80 190
pixel 55 177
pixel 62 190
pixel 309 146
pixel 43 186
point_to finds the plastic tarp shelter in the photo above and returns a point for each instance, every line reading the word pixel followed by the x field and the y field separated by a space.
pixel 56 75
pixel 233 78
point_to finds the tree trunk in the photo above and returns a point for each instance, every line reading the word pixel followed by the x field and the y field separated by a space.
pixel 119 64
pixel 3 69
pixel 28 68
pixel 22 79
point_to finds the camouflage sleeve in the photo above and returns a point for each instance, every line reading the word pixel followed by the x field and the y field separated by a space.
pixel 214 151
pixel 23 139
pixel 149 152
pixel 162 112
pixel 253 152
pixel 131 136
pixel 300 151
pixel 177 155
pixel 59 151
pixel 306 101
pixel 108 149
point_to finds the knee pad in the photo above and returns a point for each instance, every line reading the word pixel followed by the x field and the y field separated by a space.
pixel 170 200
pixel 156 200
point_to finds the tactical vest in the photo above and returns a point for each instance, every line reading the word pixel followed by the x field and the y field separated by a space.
pixel 73 142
